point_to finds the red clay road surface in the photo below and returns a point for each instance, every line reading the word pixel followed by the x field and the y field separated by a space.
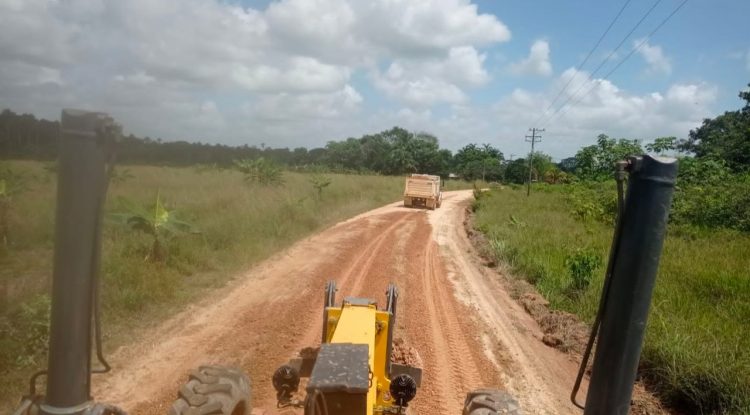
pixel 467 331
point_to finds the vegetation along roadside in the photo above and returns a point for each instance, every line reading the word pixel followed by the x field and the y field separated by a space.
pixel 171 233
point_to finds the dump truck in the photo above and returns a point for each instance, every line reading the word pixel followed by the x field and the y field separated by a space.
pixel 351 373
pixel 423 190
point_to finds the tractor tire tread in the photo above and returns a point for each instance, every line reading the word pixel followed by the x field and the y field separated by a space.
pixel 490 402
pixel 214 390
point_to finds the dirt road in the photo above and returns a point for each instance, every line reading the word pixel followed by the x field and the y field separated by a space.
pixel 466 329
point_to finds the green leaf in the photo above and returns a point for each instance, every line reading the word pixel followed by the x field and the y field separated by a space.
pixel 161 214
pixel 142 224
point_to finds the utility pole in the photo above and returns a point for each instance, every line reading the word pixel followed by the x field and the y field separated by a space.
pixel 533 139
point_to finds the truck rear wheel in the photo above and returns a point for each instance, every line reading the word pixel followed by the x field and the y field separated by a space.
pixel 214 390
pixel 490 402
pixel 407 202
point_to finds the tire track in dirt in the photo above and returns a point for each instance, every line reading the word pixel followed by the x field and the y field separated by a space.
pixel 265 327
pixel 436 326
pixel 356 268
pixel 540 377
pixel 275 309
pixel 357 271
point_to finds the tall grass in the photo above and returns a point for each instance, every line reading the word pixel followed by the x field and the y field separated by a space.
pixel 239 224
pixel 697 349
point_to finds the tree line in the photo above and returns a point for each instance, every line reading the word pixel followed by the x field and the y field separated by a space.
pixel 721 143
pixel 395 151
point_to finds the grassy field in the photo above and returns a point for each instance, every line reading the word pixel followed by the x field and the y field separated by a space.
pixel 697 349
pixel 238 224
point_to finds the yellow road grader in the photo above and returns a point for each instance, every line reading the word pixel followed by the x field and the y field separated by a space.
pixel 352 372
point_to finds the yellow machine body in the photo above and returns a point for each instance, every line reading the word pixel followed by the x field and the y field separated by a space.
pixel 351 373
pixel 365 324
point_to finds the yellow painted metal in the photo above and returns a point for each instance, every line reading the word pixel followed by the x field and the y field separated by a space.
pixel 360 324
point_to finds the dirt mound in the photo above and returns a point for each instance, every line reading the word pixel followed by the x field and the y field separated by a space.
pixel 404 354
pixel 562 330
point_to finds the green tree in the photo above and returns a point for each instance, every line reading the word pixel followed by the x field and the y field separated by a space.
pixel 401 158
pixel 517 171
pixel 554 175
pixel 475 162
pixel 540 164
pixel 446 162
pixel 375 149
pixel 426 153
pixel 299 156
pixel 726 137
pixel 596 162
pixel 346 154
pixel 662 145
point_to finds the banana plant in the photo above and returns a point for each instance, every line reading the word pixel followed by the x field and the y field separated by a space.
pixel 117 175
pixel 158 222
pixel 319 182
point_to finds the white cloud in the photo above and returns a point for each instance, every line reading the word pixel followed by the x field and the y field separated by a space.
pixel 139 78
pixel 432 81
pixel 357 31
pixel 416 89
pixel 658 63
pixel 192 69
pixel 297 73
pixel 406 27
pixel 300 74
pixel 607 109
pixel 464 66
pixel 284 106
pixel 537 63
pixel 22 74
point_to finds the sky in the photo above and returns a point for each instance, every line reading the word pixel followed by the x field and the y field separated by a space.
pixel 293 73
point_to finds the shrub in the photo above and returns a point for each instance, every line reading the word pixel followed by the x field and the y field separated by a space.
pixel 25 334
pixel 261 171
pixel 320 182
pixel 11 184
pixel 709 195
pixel 593 201
pixel 581 266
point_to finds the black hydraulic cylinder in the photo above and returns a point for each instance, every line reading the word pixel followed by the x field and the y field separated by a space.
pixel 81 177
pixel 623 325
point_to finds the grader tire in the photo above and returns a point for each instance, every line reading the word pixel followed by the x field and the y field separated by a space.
pixel 214 390
pixel 490 402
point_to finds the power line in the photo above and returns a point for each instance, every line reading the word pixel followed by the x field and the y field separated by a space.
pixel 603 62
pixel 533 139
pixel 586 59
pixel 632 52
